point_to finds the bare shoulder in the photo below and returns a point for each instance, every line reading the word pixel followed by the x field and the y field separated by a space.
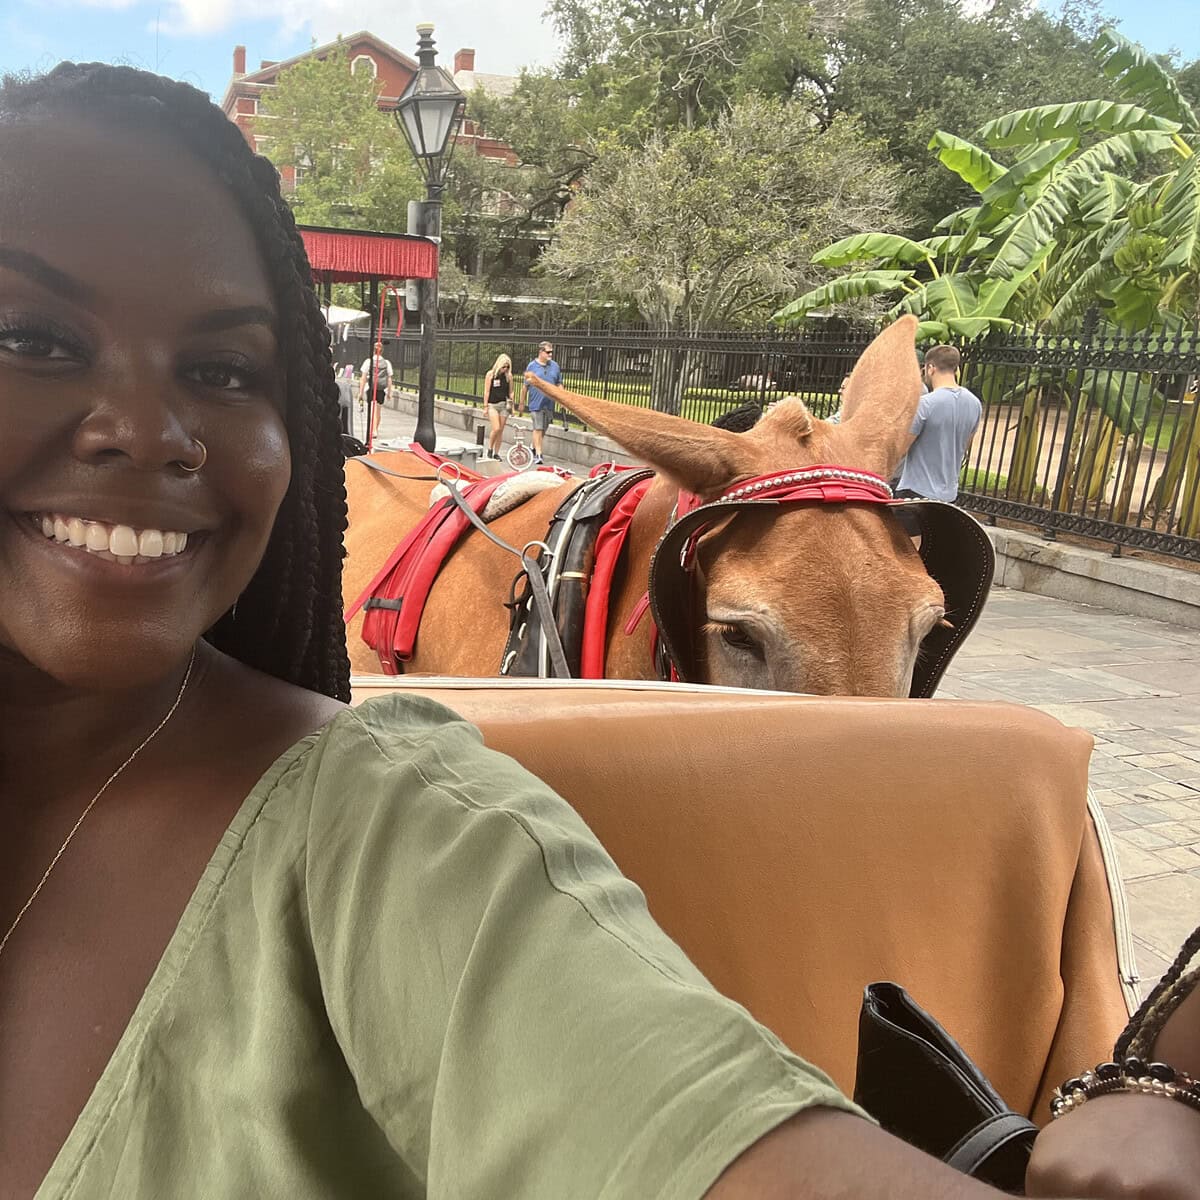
pixel 256 714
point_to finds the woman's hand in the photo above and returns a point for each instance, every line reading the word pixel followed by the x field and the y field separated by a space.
pixel 1119 1147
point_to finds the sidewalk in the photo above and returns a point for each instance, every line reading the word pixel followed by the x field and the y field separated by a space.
pixel 1134 683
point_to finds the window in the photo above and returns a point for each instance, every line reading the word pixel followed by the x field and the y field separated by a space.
pixel 367 62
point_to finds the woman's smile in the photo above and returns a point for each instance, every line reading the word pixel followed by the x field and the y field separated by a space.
pixel 120 543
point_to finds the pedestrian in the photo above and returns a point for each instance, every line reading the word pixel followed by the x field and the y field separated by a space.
pixel 292 947
pixel 497 402
pixel 345 384
pixel 376 379
pixel 540 406
pixel 942 431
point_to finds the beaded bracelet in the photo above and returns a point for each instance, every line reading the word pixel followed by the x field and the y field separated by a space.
pixel 1130 1075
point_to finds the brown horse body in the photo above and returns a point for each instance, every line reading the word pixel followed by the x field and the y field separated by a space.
pixel 818 598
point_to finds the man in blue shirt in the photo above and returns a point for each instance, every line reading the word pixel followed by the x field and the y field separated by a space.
pixel 945 424
pixel 541 407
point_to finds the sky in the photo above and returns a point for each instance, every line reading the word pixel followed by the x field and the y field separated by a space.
pixel 194 39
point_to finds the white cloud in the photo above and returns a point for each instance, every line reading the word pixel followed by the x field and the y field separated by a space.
pixel 505 36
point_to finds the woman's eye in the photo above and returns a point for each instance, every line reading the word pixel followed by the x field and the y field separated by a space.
pixel 35 343
pixel 223 376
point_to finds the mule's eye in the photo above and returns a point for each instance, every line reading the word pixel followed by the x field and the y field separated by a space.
pixel 736 637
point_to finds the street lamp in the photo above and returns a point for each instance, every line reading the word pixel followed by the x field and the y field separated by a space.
pixel 430 114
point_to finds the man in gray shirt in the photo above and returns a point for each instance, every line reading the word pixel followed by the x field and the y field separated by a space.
pixel 946 420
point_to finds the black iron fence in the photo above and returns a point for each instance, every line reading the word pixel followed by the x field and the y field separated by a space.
pixel 1092 432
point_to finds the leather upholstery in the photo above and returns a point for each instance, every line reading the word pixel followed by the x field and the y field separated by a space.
pixel 799 848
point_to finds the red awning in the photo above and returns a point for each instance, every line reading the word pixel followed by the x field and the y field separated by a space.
pixel 354 256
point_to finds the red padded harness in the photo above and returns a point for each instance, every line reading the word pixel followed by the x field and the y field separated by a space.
pixel 395 598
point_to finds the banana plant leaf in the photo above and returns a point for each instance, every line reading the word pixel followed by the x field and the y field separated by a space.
pixel 1110 195
pixel 1181 218
pixel 952 243
pixel 1123 397
pixel 973 327
pixel 959 219
pixel 995 295
pixel 974 166
pixel 1132 307
pixel 887 246
pixel 1022 179
pixel 1081 293
pixel 840 290
pixel 1052 209
pixel 1071 121
pixel 1142 79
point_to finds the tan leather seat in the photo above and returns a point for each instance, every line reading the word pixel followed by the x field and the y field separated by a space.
pixel 799 848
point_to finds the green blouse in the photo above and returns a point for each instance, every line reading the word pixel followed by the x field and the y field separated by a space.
pixel 410 971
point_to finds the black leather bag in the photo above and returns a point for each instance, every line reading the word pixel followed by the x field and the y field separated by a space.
pixel 918 1083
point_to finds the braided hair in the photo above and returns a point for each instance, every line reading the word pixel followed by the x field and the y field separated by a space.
pixel 288 621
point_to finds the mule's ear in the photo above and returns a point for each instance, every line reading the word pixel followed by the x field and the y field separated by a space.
pixel 789 416
pixel 699 458
pixel 881 399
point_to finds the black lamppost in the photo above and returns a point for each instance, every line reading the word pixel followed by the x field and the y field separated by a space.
pixel 430 114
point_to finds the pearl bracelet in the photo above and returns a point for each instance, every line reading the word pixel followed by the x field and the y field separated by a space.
pixel 1130 1075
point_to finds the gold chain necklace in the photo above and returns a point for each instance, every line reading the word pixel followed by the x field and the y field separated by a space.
pixel 187 676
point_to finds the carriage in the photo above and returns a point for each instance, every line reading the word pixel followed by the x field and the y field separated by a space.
pixel 798 847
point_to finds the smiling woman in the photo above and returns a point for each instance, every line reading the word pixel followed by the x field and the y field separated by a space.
pixel 253 942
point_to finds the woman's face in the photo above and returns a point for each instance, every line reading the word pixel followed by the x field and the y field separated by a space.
pixel 136 321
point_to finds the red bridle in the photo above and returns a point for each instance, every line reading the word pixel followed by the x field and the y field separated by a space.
pixel 813 485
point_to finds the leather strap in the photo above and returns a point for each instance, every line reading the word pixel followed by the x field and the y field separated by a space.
pixel 988 1138
pixel 537 585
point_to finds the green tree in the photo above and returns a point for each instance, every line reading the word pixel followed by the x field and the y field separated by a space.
pixel 708 226
pixel 1097 205
pixel 908 68
pixel 354 168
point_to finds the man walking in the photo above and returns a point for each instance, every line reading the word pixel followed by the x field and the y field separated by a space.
pixel 945 424
pixel 541 407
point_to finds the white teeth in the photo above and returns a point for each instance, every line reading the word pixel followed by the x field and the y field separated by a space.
pixel 124 543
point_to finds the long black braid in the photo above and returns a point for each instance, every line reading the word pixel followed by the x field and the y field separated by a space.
pixel 288 621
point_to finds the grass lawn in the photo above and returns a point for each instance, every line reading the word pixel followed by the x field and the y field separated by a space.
pixel 699 404
pixel 992 483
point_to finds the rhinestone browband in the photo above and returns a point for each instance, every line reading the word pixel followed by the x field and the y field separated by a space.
pixel 811 475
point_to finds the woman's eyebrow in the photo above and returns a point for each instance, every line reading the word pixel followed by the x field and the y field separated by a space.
pixel 41 272
pixel 231 318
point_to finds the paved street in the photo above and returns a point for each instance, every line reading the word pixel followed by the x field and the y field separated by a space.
pixel 1135 684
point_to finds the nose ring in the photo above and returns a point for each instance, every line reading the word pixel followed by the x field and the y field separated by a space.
pixel 203 458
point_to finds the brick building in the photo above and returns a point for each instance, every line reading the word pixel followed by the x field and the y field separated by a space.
pixel 393 69
pixel 509 265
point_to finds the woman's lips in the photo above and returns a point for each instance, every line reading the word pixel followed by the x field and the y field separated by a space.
pixel 116 543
